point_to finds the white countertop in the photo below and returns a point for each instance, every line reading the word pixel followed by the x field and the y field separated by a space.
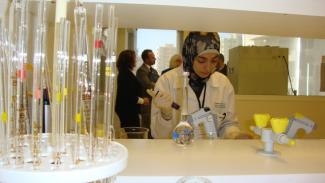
pixel 223 161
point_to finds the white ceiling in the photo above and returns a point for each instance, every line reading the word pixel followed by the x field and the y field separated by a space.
pixel 219 20
pixel 297 7
pixel 294 18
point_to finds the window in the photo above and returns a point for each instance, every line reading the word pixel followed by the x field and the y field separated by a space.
pixel 161 42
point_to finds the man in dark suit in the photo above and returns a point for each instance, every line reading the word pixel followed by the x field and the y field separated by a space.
pixel 147 76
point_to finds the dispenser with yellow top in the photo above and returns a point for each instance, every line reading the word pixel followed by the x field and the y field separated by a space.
pixel 297 122
pixel 270 135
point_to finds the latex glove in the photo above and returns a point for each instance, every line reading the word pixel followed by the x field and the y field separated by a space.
pixel 163 101
pixel 160 99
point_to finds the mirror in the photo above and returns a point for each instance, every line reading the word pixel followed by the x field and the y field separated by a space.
pixel 306 44
pixel 257 64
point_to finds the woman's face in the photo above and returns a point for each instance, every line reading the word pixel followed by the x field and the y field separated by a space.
pixel 205 64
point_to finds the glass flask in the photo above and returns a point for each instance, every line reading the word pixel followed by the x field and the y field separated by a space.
pixel 183 133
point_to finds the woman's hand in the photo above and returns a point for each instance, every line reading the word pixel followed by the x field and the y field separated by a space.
pixel 161 99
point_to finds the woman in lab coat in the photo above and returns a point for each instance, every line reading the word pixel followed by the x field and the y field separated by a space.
pixel 206 89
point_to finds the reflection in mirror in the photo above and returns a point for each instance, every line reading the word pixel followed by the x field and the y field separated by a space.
pixel 292 64
pixel 304 58
pixel 259 70
pixel 162 42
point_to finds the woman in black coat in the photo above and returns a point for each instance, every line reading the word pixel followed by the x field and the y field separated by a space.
pixel 129 91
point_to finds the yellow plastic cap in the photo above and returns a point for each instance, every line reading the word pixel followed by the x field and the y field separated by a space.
pixel 4 117
pixel 292 142
pixel 65 91
pixel 78 118
pixel 59 97
pixel 299 115
pixel 261 119
pixel 100 133
pixel 279 125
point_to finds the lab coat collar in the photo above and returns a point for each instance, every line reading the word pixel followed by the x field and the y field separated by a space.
pixel 177 82
pixel 212 82
pixel 215 81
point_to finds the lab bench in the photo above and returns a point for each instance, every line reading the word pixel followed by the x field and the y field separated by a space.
pixel 163 161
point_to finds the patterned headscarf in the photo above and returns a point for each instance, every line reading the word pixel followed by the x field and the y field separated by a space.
pixel 197 43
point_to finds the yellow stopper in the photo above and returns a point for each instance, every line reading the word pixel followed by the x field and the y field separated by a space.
pixel 292 142
pixel 100 133
pixel 59 97
pixel 279 125
pixel 299 115
pixel 29 67
pixel 4 117
pixel 65 91
pixel 107 71
pixel 261 119
pixel 78 118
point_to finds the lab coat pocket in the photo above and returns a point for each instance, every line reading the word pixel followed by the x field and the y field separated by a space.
pixel 160 127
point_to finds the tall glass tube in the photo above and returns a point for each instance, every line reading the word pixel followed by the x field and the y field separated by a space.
pixel 2 93
pixel 22 123
pixel 82 95
pixel 95 119
pixel 38 83
pixel 60 88
pixel 110 75
pixel 4 130
pixel 73 84
pixel 12 72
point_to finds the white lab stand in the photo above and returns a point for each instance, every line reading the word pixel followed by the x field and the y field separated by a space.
pixel 110 165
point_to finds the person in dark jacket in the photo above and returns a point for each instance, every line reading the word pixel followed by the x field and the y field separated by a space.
pixel 147 76
pixel 222 67
pixel 130 94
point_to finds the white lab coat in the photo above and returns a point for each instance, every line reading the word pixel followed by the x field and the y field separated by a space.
pixel 219 98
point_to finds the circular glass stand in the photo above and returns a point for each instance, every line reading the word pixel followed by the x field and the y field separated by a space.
pixel 193 179
pixel 104 166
